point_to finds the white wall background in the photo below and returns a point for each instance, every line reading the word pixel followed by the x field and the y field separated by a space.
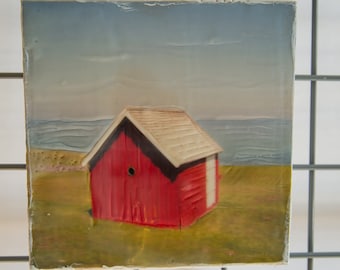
pixel 13 196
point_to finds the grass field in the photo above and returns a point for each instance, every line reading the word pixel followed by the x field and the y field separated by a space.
pixel 250 223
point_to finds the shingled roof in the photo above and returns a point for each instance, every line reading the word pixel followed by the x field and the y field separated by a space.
pixel 170 130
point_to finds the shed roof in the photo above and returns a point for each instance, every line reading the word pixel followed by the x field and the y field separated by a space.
pixel 171 130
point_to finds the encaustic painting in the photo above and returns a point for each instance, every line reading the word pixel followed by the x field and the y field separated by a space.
pixel 158 133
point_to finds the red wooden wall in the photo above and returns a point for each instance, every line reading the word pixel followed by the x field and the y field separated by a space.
pixel 133 182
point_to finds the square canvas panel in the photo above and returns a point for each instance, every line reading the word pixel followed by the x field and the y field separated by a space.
pixel 158 133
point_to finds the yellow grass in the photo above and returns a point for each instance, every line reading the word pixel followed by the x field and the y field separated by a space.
pixel 248 225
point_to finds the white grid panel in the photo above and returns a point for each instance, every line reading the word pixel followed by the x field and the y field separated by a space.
pixel 325 251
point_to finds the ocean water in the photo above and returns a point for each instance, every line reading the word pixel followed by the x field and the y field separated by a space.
pixel 252 141
pixel 245 142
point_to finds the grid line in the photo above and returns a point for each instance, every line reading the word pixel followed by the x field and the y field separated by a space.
pixel 306 167
pixel 13 166
pixel 298 77
pixel 312 138
pixel 11 75
pixel 14 258
pixel 312 255
pixel 305 77
pixel 313 167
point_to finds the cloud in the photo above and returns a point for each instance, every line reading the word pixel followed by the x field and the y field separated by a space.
pixel 77 87
pixel 211 42
pixel 105 59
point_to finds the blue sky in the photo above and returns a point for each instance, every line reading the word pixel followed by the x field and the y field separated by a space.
pixel 90 60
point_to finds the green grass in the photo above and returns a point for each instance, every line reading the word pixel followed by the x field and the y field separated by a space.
pixel 248 225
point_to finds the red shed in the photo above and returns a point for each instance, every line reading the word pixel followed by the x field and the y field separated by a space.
pixel 153 167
